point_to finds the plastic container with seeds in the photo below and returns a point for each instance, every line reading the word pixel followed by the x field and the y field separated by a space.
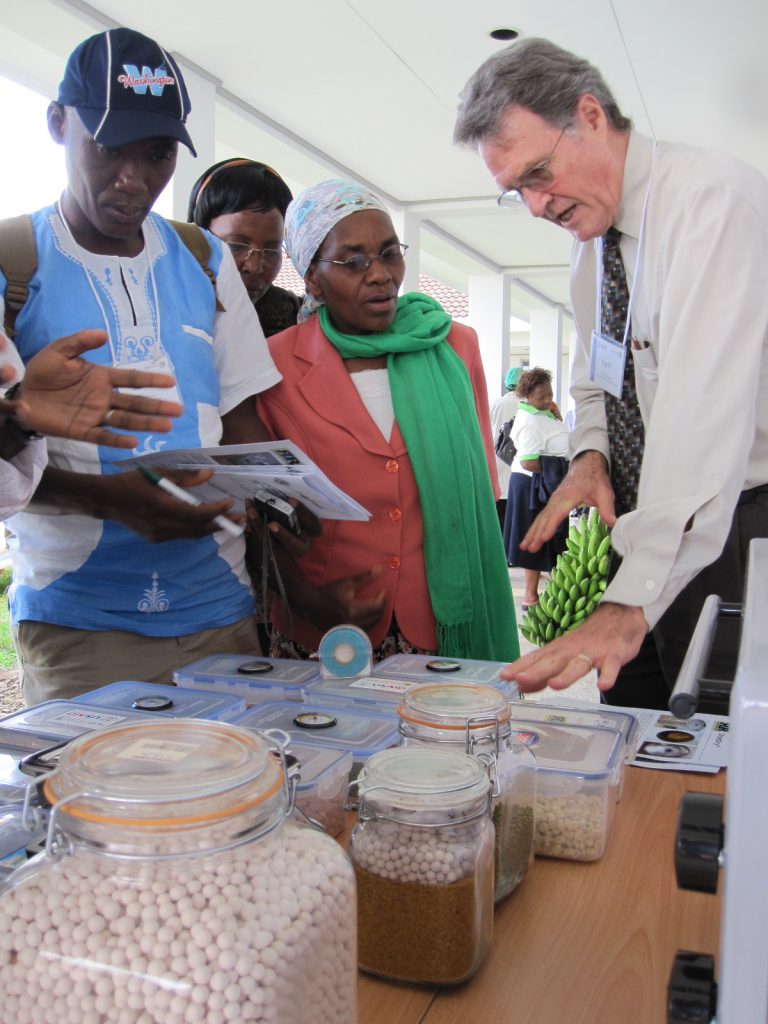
pixel 594 716
pixel 422 851
pixel 322 787
pixel 578 772
pixel 174 889
pixel 476 720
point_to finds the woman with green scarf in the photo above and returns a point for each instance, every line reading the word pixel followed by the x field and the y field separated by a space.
pixel 388 397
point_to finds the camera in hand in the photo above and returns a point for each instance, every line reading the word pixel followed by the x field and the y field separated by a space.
pixel 276 510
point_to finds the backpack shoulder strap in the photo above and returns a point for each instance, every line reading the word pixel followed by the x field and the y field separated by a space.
pixel 200 247
pixel 18 262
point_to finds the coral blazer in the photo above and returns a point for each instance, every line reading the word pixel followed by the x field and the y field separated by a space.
pixel 317 406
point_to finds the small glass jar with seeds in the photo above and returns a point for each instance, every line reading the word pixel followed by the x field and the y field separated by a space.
pixel 423 854
pixel 476 719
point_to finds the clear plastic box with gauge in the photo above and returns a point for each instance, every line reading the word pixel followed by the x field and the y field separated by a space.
pixel 171 701
pixel 359 731
pixel 257 680
pixel 431 668
pixel 54 721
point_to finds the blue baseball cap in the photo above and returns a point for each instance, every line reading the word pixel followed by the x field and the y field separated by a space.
pixel 126 88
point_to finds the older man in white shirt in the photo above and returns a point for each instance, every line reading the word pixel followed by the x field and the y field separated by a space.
pixel 694 242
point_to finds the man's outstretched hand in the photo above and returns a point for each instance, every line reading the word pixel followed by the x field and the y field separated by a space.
pixel 609 638
pixel 66 396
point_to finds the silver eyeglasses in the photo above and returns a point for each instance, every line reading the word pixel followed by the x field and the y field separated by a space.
pixel 243 252
pixel 538 179
pixel 359 262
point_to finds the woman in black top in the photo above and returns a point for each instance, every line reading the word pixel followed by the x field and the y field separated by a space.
pixel 243 202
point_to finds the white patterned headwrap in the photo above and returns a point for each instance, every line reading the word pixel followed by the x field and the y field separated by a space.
pixel 312 216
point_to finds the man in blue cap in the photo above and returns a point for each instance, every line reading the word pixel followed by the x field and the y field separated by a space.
pixel 94 600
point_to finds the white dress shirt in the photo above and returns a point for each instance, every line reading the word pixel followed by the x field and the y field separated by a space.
pixel 502 411
pixel 701 304
pixel 20 475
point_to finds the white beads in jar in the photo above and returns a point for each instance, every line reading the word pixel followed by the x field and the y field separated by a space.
pixel 406 854
pixel 214 939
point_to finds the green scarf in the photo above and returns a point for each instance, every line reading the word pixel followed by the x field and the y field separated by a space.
pixel 435 409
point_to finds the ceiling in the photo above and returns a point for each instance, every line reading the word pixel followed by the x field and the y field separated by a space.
pixel 370 89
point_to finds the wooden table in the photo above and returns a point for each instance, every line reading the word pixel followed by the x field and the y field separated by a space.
pixel 581 943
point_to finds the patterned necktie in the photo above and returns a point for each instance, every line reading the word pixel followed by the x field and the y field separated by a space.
pixel 626 434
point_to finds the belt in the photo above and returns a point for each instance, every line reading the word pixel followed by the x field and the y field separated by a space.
pixel 746 496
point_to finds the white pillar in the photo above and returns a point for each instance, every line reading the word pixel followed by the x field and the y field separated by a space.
pixel 547 345
pixel 408 227
pixel 489 313
pixel 201 125
pixel 569 347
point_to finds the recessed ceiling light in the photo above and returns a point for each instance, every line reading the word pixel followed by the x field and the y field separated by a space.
pixel 504 34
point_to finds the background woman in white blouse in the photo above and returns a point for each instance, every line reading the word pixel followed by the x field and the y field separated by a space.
pixel 538 430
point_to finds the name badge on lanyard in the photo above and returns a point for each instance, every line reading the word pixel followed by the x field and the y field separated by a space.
pixel 606 363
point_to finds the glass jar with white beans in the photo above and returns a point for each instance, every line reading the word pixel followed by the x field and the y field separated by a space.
pixel 476 719
pixel 423 855
pixel 175 889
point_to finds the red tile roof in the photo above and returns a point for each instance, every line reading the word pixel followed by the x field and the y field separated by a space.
pixel 451 299
pixel 289 278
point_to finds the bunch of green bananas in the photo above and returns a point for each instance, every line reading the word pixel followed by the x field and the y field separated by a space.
pixel 576 583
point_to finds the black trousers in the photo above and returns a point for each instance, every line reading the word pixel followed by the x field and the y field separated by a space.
pixel 648 679
pixel 501 511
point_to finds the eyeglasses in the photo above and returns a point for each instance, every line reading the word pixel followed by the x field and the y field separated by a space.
pixel 267 257
pixel 538 179
pixel 360 262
